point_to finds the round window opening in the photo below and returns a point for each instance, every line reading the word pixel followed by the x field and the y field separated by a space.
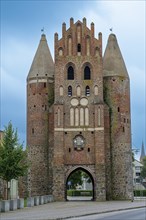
pixel 79 142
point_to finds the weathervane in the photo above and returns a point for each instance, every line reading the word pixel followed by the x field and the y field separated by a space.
pixel 42 30
pixel 111 30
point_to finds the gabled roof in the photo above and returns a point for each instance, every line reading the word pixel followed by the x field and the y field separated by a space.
pixel 137 163
pixel 42 65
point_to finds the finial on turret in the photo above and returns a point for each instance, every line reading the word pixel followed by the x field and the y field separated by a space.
pixel 71 22
pixel 43 30
pixel 111 30
pixel 84 21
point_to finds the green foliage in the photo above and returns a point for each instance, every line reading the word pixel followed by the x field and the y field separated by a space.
pixel 143 171
pixel 139 192
pixel 79 192
pixel 13 159
pixel 25 202
pixel 87 177
pixel 75 179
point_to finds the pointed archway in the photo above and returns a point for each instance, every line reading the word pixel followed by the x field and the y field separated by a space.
pixel 79 185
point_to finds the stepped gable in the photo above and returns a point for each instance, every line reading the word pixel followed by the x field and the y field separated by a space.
pixel 42 65
pixel 113 62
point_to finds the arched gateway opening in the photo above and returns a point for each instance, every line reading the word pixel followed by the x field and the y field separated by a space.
pixel 79 185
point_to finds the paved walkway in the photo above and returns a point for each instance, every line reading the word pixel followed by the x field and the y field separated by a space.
pixel 64 210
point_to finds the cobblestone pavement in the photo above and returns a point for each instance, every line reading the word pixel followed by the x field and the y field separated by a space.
pixel 63 210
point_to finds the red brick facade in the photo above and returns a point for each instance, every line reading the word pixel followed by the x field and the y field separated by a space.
pixel 78 118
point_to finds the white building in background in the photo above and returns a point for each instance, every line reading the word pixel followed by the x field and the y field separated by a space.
pixel 137 181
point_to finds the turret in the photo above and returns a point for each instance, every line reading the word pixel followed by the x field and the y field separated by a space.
pixel 42 65
pixel 39 89
pixel 117 97
pixel 113 62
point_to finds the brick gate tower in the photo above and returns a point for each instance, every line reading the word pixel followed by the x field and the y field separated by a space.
pixel 78 115
pixel 39 87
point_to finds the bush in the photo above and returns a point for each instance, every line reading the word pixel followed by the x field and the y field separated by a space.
pixel 72 192
pixel 25 202
pixel 140 192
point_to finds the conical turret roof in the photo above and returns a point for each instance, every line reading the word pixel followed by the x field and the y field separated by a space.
pixel 113 63
pixel 42 65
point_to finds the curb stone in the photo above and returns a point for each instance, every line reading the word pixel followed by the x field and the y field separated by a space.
pixel 96 213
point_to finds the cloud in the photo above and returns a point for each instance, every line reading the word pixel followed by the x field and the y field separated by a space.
pixel 15 63
pixel 137 81
pixel 128 21
pixel 17 56
pixel 127 18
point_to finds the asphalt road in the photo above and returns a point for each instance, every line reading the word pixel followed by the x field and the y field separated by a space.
pixel 88 209
pixel 133 214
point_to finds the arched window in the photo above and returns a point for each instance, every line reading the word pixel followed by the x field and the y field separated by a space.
pixel 95 90
pixel 97 50
pixel 79 47
pixel 69 91
pixel 87 74
pixel 87 91
pixel 59 117
pixel 78 91
pixel 71 117
pixel 60 52
pixel 70 73
pixel 88 46
pixel 86 116
pixel 81 116
pixel 79 34
pixel 99 116
pixel 61 91
pixel 69 46
pixel 76 117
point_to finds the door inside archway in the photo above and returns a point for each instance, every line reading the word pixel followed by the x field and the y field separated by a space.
pixel 80 186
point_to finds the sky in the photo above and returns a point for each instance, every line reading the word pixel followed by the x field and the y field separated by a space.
pixel 20 32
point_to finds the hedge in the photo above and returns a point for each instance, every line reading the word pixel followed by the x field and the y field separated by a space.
pixel 79 192
pixel 140 192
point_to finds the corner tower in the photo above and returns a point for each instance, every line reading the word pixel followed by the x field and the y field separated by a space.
pixel 78 108
pixel 117 97
pixel 39 89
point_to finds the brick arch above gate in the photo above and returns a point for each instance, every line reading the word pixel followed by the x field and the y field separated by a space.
pixel 89 168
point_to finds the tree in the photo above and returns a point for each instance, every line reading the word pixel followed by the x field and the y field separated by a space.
pixel 13 159
pixel 87 177
pixel 143 171
pixel 76 179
